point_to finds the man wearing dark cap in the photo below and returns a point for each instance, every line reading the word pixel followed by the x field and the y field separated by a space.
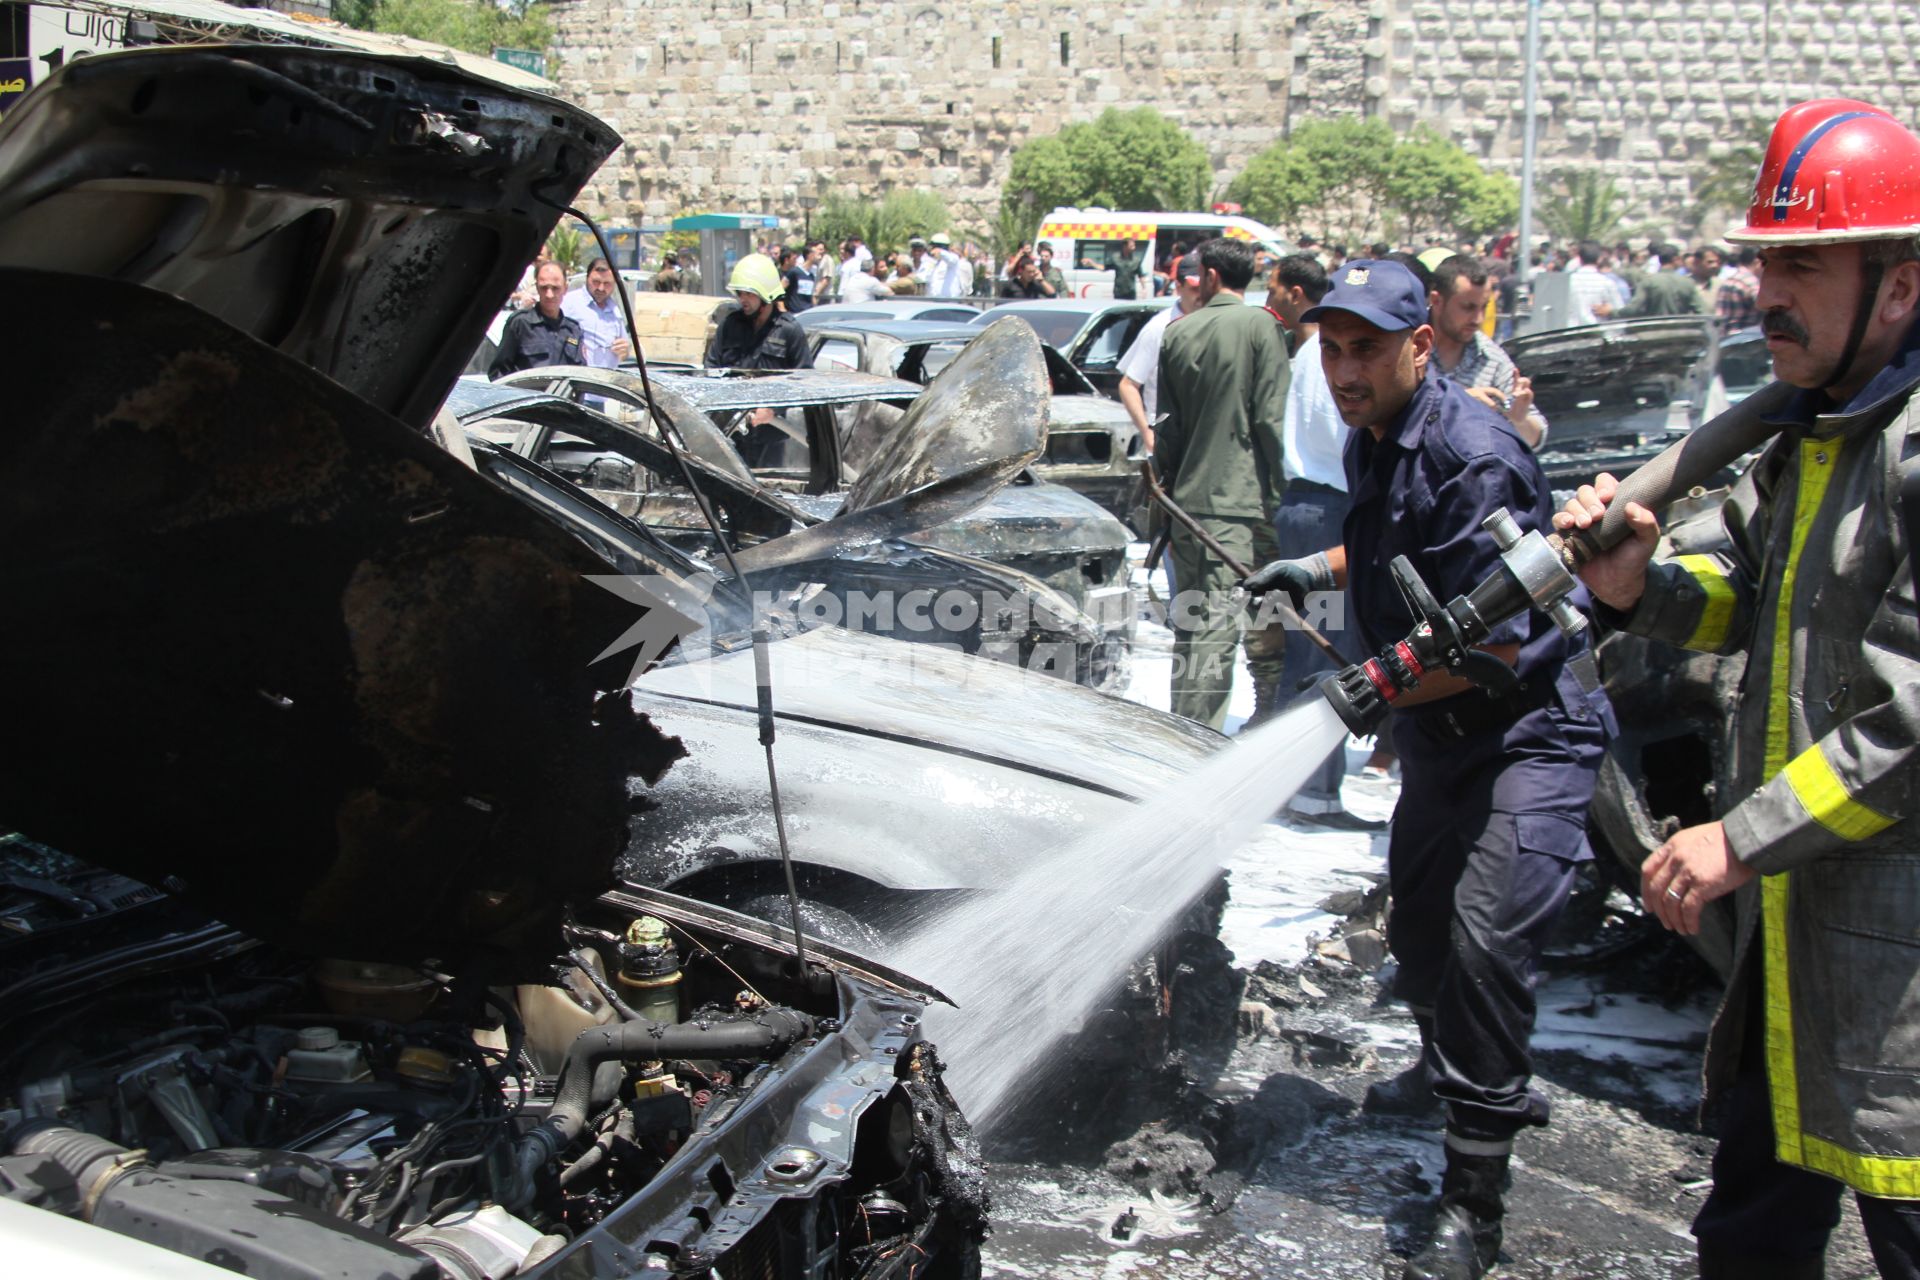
pixel 1492 815
pixel 1223 394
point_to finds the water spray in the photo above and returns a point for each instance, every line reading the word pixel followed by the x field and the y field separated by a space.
pixel 1537 571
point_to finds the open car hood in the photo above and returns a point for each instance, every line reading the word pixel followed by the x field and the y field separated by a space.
pixel 366 215
pixel 979 423
pixel 1621 378
pixel 279 652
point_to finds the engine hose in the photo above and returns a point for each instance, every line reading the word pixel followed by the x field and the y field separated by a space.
pixel 766 1035
pixel 94 1164
pixel 622 1130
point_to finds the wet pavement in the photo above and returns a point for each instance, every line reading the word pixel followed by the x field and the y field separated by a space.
pixel 1272 1170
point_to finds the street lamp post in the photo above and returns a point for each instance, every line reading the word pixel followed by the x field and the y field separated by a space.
pixel 1527 143
pixel 806 216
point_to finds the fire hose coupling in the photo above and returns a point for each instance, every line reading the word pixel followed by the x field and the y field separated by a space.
pixel 1531 575
pixel 1538 567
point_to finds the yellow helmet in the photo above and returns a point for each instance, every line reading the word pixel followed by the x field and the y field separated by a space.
pixel 756 273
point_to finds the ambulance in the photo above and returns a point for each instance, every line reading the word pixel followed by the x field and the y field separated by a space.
pixel 1081 236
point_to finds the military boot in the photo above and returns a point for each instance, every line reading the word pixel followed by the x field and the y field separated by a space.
pixel 1411 1092
pixel 1466 1235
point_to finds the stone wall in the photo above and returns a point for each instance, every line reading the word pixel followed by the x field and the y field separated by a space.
pixel 750 104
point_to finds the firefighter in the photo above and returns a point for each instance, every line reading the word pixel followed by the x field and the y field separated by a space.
pixel 1816 1049
pixel 759 335
pixel 1491 822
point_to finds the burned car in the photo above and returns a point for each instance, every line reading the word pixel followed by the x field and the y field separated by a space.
pixel 1093 447
pixel 821 485
pixel 316 962
pixel 1616 394
pixel 1093 333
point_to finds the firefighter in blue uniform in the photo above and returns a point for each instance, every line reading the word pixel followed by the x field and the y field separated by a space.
pixel 1492 814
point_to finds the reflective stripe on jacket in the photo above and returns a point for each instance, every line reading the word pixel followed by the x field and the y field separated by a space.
pixel 1818 590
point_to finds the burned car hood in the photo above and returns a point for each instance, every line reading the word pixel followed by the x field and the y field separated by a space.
pixel 1610 390
pixel 977 425
pixel 903 773
pixel 366 215
pixel 271 648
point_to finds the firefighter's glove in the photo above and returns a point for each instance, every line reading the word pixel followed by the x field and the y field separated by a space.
pixel 1294 577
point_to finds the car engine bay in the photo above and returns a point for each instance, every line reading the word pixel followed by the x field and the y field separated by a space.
pixel 280 1116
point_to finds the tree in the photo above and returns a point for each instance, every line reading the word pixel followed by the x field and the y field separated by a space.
pixel 568 245
pixel 1436 190
pixel 885 224
pixel 1134 159
pixel 1726 185
pixel 1353 181
pixel 477 26
pixel 1587 206
pixel 1330 176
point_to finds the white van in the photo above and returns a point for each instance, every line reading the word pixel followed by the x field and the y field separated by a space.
pixel 1079 236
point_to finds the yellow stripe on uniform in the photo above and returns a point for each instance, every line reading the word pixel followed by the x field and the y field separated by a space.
pixel 1827 800
pixel 1710 633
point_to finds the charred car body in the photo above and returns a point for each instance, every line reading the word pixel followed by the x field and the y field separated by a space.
pixel 331 975
pixel 1616 395
pixel 847 487
pixel 1093 447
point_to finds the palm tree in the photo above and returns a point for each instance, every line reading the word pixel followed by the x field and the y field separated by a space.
pixel 1588 206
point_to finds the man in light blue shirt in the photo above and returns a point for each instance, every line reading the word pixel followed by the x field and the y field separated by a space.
pixel 598 313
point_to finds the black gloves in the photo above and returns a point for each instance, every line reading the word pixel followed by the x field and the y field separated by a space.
pixel 1294 577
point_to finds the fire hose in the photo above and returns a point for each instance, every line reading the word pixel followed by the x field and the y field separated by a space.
pixel 1537 571
pixel 1288 618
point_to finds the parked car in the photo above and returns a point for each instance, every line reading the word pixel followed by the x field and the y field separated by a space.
pixel 1093 447
pixel 947 310
pixel 316 961
pixel 1093 333
pixel 821 463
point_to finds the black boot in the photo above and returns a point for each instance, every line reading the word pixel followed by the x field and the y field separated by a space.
pixel 1466 1236
pixel 1411 1092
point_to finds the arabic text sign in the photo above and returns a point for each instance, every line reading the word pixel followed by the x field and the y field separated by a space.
pixel 57 36
pixel 15 75
pixel 525 59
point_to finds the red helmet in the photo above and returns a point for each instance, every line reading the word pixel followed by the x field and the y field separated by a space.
pixel 1835 170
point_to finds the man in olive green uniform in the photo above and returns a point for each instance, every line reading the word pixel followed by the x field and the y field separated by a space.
pixel 1662 293
pixel 1223 391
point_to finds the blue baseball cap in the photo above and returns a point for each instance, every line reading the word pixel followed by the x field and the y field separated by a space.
pixel 1382 293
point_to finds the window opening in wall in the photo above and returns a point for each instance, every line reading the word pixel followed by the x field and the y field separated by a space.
pixel 996 53
pixel 1066 48
pixel 1236 48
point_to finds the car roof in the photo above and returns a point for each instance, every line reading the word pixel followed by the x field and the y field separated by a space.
pixel 911 330
pixel 727 389
pixel 475 397
pixel 1075 306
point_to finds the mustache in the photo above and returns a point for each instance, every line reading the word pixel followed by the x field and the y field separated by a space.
pixel 1780 324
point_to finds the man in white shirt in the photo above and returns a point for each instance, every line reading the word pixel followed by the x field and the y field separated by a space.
pixel 952 277
pixel 598 313
pixel 1140 364
pixel 1313 507
pixel 1593 296
pixel 856 284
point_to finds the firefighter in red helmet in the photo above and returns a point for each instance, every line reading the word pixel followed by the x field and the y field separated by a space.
pixel 1816 1051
